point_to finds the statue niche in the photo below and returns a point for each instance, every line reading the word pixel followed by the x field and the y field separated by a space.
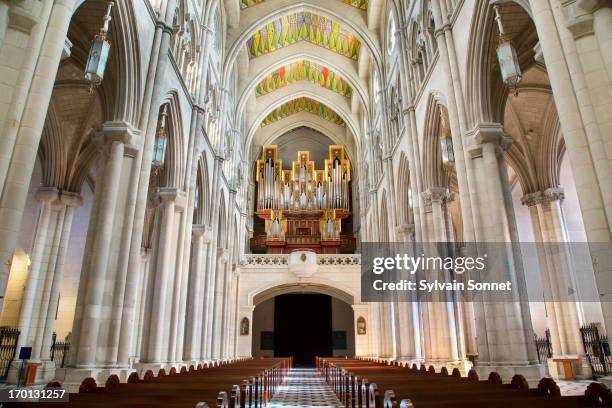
pixel 244 326
pixel 361 325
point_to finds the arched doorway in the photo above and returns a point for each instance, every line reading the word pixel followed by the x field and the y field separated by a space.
pixel 303 324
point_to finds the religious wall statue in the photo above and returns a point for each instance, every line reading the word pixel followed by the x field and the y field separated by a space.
pixel 361 325
pixel 244 326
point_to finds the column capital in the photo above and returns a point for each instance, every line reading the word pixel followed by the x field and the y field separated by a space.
pixel 531 199
pixel 543 197
pixel 437 194
pixel 404 230
pixel 591 6
pixel 47 194
pixel 223 255
pixel 487 133
pixel 167 194
pixel 554 194
pixel 71 199
pixel 121 132
pixel 204 231
pixel 579 16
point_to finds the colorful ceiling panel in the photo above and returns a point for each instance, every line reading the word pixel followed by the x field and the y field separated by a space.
pixel 361 4
pixel 303 26
pixel 304 71
pixel 249 3
pixel 303 104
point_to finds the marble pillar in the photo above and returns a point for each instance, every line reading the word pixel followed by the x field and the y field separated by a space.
pixel 504 330
pixel 564 312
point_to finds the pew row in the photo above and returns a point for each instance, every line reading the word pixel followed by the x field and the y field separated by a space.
pixel 248 382
pixel 377 384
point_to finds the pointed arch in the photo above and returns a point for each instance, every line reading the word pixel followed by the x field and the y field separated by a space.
pixel 404 192
pixel 436 173
pixel 173 172
pixel 384 232
pixel 201 211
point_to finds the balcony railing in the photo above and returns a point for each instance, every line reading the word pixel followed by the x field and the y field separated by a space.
pixel 282 260
pixel 339 259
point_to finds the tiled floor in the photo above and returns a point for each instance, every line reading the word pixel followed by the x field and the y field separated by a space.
pixel 573 387
pixel 304 387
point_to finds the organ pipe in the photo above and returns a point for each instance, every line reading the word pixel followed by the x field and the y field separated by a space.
pixel 303 188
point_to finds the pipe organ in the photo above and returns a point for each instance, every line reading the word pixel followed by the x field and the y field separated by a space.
pixel 303 207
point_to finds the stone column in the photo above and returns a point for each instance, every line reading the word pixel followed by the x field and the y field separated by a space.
pixel 178 274
pixel 590 40
pixel 70 201
pixel 138 329
pixel 33 288
pixel 93 318
pixel 602 26
pixel 196 295
pixel 408 313
pixel 209 302
pixel 504 330
pixel 21 165
pixel 441 314
pixel 161 295
pixel 556 269
pixel 22 17
pixel 457 116
pixel 584 142
pixel 218 305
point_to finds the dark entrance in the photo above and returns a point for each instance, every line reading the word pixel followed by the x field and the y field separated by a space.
pixel 302 327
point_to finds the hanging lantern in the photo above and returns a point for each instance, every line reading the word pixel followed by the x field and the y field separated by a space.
pixel 161 140
pixel 507 58
pixel 98 54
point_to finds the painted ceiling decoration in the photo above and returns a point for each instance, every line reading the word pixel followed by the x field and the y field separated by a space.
pixel 304 71
pixel 249 3
pixel 303 104
pixel 360 4
pixel 303 26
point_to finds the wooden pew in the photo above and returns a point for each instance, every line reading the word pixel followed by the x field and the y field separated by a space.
pixel 379 383
pixel 242 383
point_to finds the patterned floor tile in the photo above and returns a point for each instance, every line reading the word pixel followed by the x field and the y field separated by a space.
pixel 304 387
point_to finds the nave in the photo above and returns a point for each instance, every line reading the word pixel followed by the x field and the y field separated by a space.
pixel 334 382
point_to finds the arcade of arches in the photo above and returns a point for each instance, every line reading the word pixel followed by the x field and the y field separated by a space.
pixel 207 199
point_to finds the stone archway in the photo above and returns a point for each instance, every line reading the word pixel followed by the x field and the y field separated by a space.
pixel 303 321
pixel 266 277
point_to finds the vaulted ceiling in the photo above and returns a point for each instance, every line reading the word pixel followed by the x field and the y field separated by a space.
pixel 304 63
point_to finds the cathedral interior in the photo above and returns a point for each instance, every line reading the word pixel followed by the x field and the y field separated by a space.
pixel 191 182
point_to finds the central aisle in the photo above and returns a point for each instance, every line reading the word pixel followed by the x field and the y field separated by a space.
pixel 304 387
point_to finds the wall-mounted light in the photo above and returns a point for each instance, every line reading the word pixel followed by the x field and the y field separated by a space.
pixel 98 54
pixel 161 140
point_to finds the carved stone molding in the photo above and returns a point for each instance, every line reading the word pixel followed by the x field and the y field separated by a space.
pixel 198 230
pixel 487 133
pixel 404 229
pixel 167 194
pixel 543 197
pixel 71 199
pixel 47 194
pixel 119 132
